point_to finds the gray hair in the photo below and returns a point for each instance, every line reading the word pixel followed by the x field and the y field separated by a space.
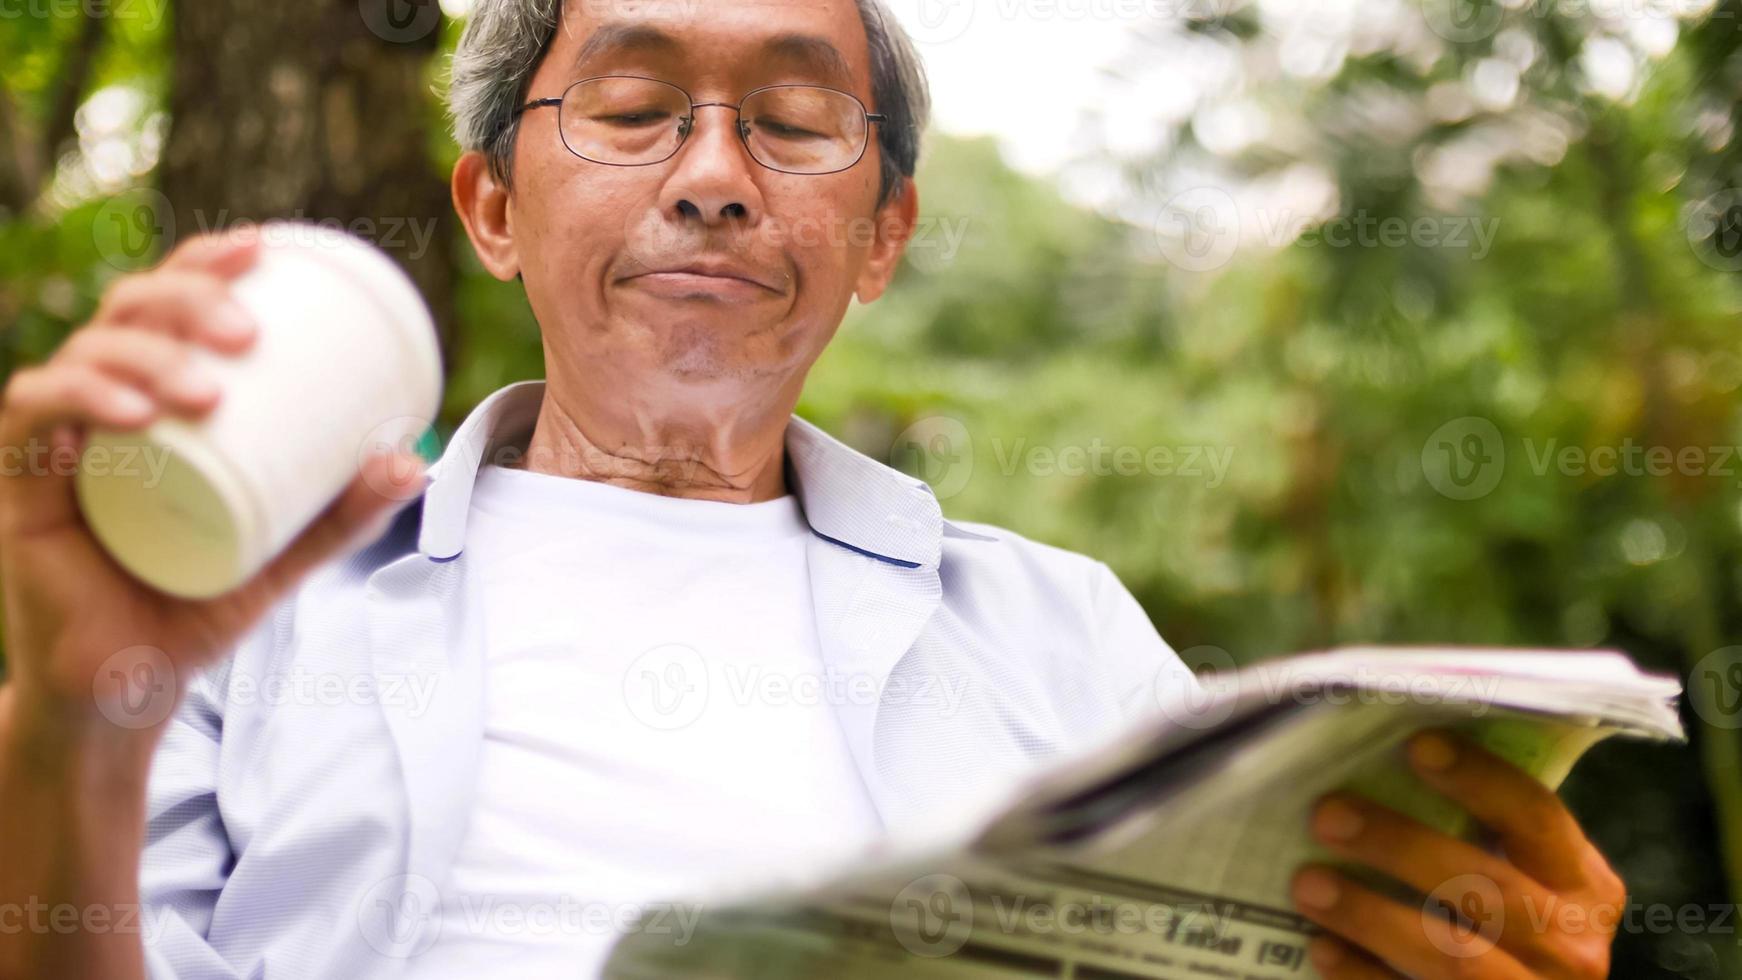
pixel 505 40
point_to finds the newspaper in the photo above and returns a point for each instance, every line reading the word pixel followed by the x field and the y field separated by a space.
pixel 1168 853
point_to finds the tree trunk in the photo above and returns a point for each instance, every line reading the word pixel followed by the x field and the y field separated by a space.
pixel 318 110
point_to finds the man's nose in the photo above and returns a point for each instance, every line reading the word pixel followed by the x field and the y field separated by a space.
pixel 713 180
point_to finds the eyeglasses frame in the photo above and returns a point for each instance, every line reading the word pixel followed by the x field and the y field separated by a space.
pixel 687 122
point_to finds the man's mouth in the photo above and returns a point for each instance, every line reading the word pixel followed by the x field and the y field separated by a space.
pixel 710 279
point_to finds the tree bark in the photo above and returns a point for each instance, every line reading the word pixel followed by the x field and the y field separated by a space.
pixel 318 110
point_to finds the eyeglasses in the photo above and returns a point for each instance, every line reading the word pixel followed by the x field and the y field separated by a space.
pixel 630 121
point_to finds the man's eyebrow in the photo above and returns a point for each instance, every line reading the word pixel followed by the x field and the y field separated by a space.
pixel 615 38
pixel 813 52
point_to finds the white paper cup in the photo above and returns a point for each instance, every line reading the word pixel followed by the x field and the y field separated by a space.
pixel 346 362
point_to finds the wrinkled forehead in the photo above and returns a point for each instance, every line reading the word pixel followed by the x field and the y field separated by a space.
pixel 717 41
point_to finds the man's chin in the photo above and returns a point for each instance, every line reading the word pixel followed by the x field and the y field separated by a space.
pixel 724 348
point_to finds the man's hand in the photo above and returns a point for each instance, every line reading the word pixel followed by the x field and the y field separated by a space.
pixel 69 610
pixel 1546 905
pixel 96 658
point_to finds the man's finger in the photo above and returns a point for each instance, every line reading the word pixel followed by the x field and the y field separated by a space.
pixel 1412 939
pixel 1540 836
pixel 1427 860
pixel 192 306
pixel 150 361
pixel 38 403
pixel 38 399
pixel 225 254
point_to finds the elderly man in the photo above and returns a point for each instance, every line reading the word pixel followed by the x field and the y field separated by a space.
pixel 557 661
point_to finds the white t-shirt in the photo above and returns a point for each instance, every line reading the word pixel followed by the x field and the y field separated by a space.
pixel 653 723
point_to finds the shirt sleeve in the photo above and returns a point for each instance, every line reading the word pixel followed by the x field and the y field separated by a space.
pixel 187 853
pixel 1145 671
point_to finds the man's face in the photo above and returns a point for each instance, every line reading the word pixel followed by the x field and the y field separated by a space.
pixel 604 249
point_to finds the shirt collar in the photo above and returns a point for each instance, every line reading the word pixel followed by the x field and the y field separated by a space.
pixel 848 498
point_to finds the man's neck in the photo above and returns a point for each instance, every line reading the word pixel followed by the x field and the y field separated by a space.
pixel 738 463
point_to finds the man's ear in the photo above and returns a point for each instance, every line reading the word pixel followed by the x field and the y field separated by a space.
pixel 482 204
pixel 895 222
